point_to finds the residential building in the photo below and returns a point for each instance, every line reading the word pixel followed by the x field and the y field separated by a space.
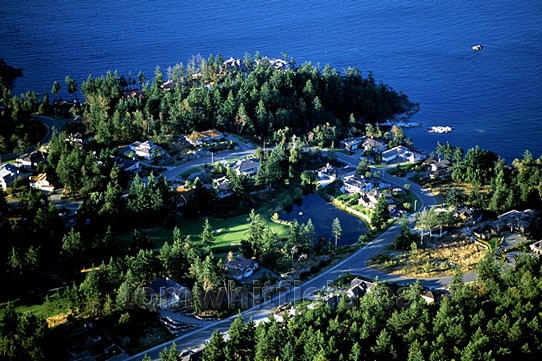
pixel 368 200
pixel 40 182
pixel 352 143
pixel 147 150
pixel 356 184
pixel 198 138
pixel 222 186
pixel 331 173
pixel 375 145
pixel 536 247
pixel 440 169
pixel 402 153
pixel 8 173
pixel 30 161
pixel 127 165
pixel 240 267
pixel 167 293
pixel 248 167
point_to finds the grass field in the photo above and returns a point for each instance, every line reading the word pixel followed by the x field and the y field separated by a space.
pixel 228 231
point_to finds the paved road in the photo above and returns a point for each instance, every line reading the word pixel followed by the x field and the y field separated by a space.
pixel 355 264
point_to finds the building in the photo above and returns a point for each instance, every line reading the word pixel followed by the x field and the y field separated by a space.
pixel 402 153
pixel 8 174
pixel 248 167
pixel 166 293
pixel 329 173
pixel 222 186
pixel 147 150
pixel 440 169
pixel 375 145
pixel 240 267
pixel 352 143
pixel 536 247
pixel 40 182
pixel 198 138
pixel 127 165
pixel 356 184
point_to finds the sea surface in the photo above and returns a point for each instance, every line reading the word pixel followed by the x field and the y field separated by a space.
pixel 493 98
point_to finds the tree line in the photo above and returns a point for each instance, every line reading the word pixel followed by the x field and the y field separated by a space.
pixel 494 318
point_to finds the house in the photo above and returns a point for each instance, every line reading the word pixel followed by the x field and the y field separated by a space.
pixel 183 195
pixel 329 173
pixel 166 293
pixel 402 153
pixel 40 182
pixel 247 167
pixel 30 161
pixel 517 220
pixel 8 173
pixel 198 138
pixel 375 145
pixel 536 247
pixel 147 150
pixel 352 143
pixel 467 214
pixel 240 267
pixel 223 187
pixel 440 169
pixel 368 200
pixel 356 184
pixel 358 288
pixel 127 165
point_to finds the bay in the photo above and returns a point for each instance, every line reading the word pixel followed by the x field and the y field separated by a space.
pixel 422 48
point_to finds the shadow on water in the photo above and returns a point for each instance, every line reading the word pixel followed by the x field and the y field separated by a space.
pixel 322 214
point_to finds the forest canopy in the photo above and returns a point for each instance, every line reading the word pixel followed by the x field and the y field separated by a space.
pixel 252 97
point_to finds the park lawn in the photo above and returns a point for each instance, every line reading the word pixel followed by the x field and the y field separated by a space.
pixel 228 231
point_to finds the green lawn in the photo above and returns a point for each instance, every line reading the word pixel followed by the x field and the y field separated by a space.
pixel 228 231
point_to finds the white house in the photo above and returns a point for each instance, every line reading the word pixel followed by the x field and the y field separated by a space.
pixel 147 150
pixel 40 182
pixel 356 184
pixel 401 152
pixel 8 173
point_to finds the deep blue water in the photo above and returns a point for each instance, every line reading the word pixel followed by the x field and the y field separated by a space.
pixel 422 48
pixel 322 214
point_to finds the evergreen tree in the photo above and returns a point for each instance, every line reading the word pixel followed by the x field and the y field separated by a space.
pixel 380 214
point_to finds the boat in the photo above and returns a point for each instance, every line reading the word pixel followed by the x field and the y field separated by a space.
pixel 477 47
pixel 440 129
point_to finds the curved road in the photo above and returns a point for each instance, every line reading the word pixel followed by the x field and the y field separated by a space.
pixel 355 264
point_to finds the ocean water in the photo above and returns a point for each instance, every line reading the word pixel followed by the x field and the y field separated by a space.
pixel 422 48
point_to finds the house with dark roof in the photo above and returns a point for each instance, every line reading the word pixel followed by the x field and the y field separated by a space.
pixel 352 143
pixel 248 167
pixel 222 186
pixel 241 267
pixel 356 184
pixel 167 293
